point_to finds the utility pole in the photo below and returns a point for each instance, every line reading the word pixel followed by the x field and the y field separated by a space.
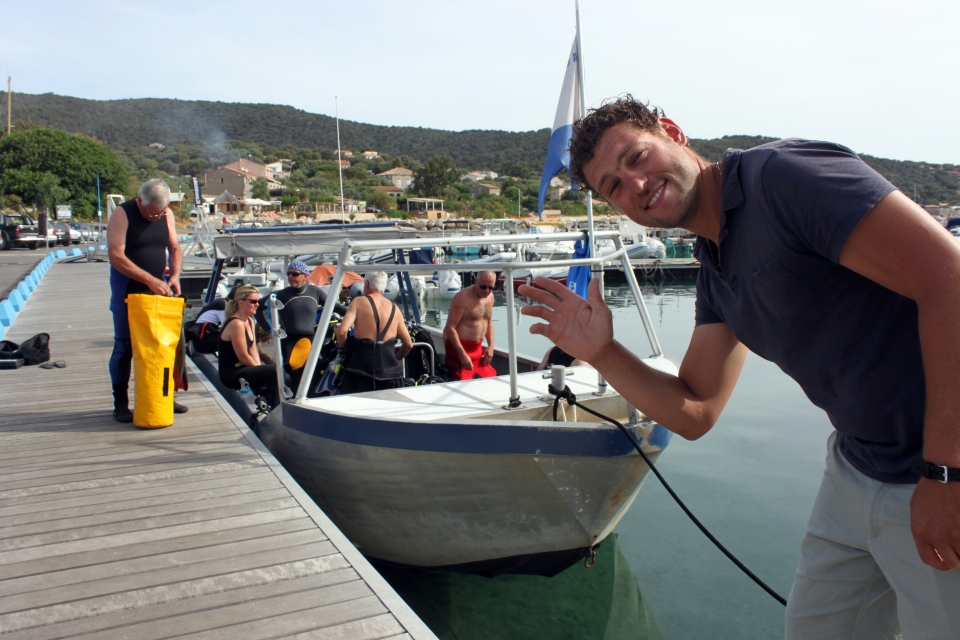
pixel 9 80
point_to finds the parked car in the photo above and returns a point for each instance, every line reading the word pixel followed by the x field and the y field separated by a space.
pixel 20 230
pixel 63 233
pixel 78 232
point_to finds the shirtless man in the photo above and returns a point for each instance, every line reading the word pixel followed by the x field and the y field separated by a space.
pixel 468 323
pixel 371 362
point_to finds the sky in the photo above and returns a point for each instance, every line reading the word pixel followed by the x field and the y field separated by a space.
pixel 878 76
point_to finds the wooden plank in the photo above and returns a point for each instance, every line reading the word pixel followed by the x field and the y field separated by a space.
pixel 75 609
pixel 381 626
pixel 171 482
pixel 147 536
pixel 284 625
pixel 207 539
pixel 121 623
pixel 70 506
pixel 76 523
pixel 256 561
pixel 176 558
pixel 110 529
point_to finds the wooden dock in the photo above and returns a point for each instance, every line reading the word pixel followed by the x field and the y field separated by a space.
pixel 110 531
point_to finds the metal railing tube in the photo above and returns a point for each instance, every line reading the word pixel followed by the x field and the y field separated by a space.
pixel 276 331
pixel 421 345
pixel 483 266
pixel 638 296
pixel 511 341
pixel 360 246
pixel 318 338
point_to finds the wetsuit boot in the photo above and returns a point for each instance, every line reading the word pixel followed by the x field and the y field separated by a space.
pixel 121 409
pixel 180 408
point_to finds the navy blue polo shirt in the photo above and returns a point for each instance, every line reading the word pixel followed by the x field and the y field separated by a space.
pixel 775 279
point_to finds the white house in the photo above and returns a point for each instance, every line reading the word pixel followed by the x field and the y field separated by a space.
pixel 400 177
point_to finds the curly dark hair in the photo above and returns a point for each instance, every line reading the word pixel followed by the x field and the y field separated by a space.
pixel 588 130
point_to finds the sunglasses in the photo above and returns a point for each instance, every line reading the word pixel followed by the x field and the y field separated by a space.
pixel 294 274
pixel 252 301
pixel 484 287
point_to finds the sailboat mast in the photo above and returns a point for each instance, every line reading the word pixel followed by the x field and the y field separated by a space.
pixel 583 112
pixel 9 80
pixel 339 159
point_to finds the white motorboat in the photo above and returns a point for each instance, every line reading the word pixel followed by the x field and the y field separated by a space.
pixel 473 475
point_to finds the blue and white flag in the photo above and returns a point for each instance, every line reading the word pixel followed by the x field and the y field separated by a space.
pixel 579 277
pixel 568 112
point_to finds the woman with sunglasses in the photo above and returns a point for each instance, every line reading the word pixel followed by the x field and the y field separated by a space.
pixel 239 354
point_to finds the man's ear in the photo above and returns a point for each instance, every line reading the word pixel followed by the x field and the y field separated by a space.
pixel 673 131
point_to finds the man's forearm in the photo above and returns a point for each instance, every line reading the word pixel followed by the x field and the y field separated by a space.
pixel 661 396
pixel 940 347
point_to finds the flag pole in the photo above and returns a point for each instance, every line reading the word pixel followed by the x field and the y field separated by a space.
pixel 583 112
pixel 343 218
pixel 601 381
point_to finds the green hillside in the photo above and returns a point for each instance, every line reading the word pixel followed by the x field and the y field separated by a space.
pixel 199 135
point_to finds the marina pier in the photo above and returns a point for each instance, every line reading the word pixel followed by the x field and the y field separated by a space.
pixel 111 531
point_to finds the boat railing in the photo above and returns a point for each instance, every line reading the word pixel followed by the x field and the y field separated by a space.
pixel 508 267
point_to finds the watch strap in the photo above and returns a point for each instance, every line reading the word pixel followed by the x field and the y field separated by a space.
pixel 936 472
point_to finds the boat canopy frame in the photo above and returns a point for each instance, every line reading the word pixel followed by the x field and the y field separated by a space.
pixel 352 246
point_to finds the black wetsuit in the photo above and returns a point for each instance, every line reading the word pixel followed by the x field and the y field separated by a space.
pixel 262 379
pixel 372 365
pixel 145 246
pixel 560 357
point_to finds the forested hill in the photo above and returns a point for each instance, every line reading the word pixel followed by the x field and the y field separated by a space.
pixel 220 126
pixel 143 121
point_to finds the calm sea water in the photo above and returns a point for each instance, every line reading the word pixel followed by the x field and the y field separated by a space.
pixel 751 480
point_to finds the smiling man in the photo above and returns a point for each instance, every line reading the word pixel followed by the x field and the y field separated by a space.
pixel 795 244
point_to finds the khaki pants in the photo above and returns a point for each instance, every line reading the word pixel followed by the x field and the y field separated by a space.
pixel 860 576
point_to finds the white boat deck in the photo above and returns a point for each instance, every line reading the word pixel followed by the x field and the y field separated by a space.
pixel 195 530
pixel 465 399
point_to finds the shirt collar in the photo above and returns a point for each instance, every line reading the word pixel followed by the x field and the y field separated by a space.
pixel 731 197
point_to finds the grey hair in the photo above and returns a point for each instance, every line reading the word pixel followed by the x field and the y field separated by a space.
pixel 154 190
pixel 377 280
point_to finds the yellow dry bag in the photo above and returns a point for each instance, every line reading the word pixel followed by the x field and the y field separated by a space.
pixel 154 333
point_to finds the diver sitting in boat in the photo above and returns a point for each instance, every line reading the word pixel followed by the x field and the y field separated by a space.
pixel 298 317
pixel 371 360
pixel 468 323
pixel 239 353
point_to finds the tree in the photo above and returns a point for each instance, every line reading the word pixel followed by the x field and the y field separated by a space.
pixel 289 199
pixel 261 189
pixel 73 160
pixel 380 200
pixel 436 174
pixel 48 193
pixel 490 208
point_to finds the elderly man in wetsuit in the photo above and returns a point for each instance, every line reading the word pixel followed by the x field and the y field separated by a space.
pixel 372 362
pixel 301 301
pixel 468 323
pixel 140 236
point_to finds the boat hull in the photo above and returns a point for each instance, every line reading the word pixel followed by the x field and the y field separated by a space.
pixel 485 513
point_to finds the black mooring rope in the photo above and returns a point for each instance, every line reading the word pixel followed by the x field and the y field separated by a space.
pixel 572 400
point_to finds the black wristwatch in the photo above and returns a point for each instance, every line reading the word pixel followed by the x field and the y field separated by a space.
pixel 935 471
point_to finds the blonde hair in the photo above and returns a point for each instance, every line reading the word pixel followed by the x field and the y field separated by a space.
pixel 240 293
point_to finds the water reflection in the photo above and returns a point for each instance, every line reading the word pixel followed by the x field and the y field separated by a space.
pixel 603 602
